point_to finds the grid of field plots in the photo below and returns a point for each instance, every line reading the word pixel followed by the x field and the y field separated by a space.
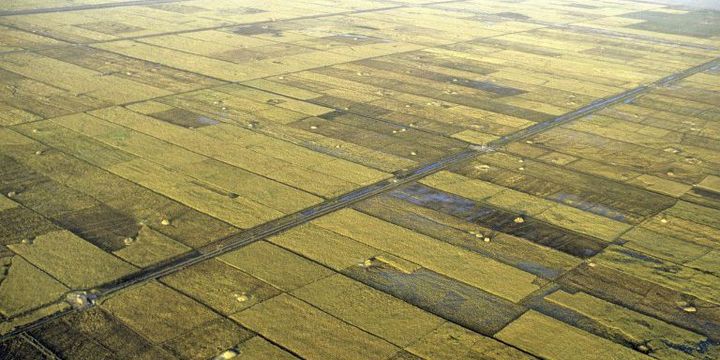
pixel 359 179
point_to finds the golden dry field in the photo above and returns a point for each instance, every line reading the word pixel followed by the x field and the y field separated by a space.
pixel 359 179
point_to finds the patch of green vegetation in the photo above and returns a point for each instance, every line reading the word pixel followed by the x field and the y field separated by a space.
pixel 705 23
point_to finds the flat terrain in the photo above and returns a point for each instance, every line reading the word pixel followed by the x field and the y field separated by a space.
pixel 337 179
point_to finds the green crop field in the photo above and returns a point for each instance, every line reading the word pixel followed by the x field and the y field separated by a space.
pixel 359 179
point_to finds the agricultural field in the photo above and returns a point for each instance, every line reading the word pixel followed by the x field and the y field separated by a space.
pixel 359 179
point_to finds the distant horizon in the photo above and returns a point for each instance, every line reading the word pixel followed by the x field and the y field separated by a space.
pixel 699 4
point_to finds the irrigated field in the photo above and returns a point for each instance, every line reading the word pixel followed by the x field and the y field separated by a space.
pixel 351 179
